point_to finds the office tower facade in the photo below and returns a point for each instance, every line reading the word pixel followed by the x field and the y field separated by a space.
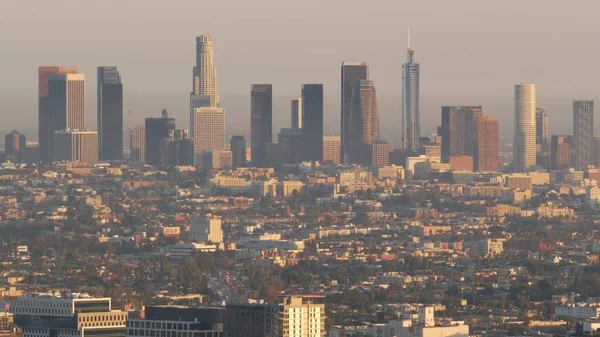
pixel 137 144
pixel 44 133
pixel 411 125
pixel 312 121
pixel 458 130
pixel 15 145
pixel 205 72
pixel 261 121
pixel 485 157
pixel 68 315
pixel 110 114
pixel 75 146
pixel 302 315
pixel 237 145
pixel 541 128
pixel 209 129
pixel 290 141
pixel 66 104
pixel 177 321
pixel 379 154
pixel 296 116
pixel 156 130
pixel 524 128
pixel 364 121
pixel 331 149
pixel 206 228
pixel 252 318
pixel 583 134
pixel 560 152
pixel 352 71
pixel 597 151
pixel 177 149
pixel 213 159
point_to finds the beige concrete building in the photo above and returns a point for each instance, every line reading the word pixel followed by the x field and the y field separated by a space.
pixel 331 149
pixel 137 144
pixel 208 129
pixel 75 146
pixel 302 316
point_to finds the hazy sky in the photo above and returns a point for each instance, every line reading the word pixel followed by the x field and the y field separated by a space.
pixel 467 49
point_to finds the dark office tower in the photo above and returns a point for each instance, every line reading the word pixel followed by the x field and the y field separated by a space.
pixel 238 151
pixel 181 149
pixel 541 128
pixel 110 114
pixel 261 121
pixel 583 134
pixel 458 130
pixel 157 129
pixel 352 71
pixel 44 135
pixel 560 152
pixel 14 145
pixel 312 121
pixel 296 116
pixel 411 129
pixel 252 319
pixel 485 157
pixel 66 104
pixel 290 141
pixel 597 151
pixel 364 122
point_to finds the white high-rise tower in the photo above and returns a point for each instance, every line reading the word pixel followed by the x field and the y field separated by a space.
pixel 204 94
pixel 205 73
pixel 524 134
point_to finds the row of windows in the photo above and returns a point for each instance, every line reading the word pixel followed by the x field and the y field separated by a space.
pixel 173 333
pixel 157 325
pixel 103 318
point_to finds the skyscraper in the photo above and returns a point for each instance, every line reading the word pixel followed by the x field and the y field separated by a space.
pixel 261 121
pixel 352 71
pixel 524 132
pixel 411 124
pixel 14 145
pixel 137 144
pixel 541 128
pixel 44 134
pixel 458 130
pixel 297 113
pixel 486 145
pixel 583 134
pixel 312 121
pixel 66 104
pixel 209 129
pixel 110 114
pixel 238 151
pixel 157 129
pixel 364 121
pixel 205 73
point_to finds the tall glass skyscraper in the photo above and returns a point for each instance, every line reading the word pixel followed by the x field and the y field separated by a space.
pixel 110 114
pixel 364 123
pixel 261 122
pixel 352 71
pixel 524 134
pixel 205 72
pixel 411 125
pixel 583 134
pixel 312 121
